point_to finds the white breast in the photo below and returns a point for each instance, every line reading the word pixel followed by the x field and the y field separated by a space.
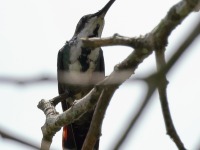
pixel 75 52
pixel 92 59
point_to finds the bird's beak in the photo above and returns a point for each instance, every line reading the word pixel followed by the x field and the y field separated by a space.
pixel 103 11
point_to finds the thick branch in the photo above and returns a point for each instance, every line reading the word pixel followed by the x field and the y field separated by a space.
pixel 54 121
pixel 97 120
pixel 116 39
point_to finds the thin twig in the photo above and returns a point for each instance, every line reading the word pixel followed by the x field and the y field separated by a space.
pixel 27 80
pixel 59 98
pixel 162 90
pixel 144 103
pixel 6 135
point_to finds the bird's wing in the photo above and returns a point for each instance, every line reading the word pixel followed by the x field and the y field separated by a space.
pixel 63 66
pixel 100 63
pixel 100 68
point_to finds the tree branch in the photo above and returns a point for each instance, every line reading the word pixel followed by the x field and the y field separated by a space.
pixel 144 46
pixel 6 135
pixel 154 80
pixel 144 103
pixel 27 80
pixel 157 39
pixel 162 90
pixel 54 121
pixel 97 120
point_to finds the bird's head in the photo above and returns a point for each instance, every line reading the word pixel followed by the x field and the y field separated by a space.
pixel 92 25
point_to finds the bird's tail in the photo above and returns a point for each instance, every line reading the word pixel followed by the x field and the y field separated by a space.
pixel 68 140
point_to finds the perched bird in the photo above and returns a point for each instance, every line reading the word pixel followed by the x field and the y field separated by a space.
pixel 74 60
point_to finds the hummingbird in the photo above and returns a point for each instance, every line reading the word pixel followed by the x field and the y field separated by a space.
pixel 73 60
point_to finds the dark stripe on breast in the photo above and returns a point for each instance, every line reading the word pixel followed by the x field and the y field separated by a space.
pixel 83 59
pixel 95 32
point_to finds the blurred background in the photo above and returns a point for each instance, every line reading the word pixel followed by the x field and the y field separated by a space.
pixel 32 32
